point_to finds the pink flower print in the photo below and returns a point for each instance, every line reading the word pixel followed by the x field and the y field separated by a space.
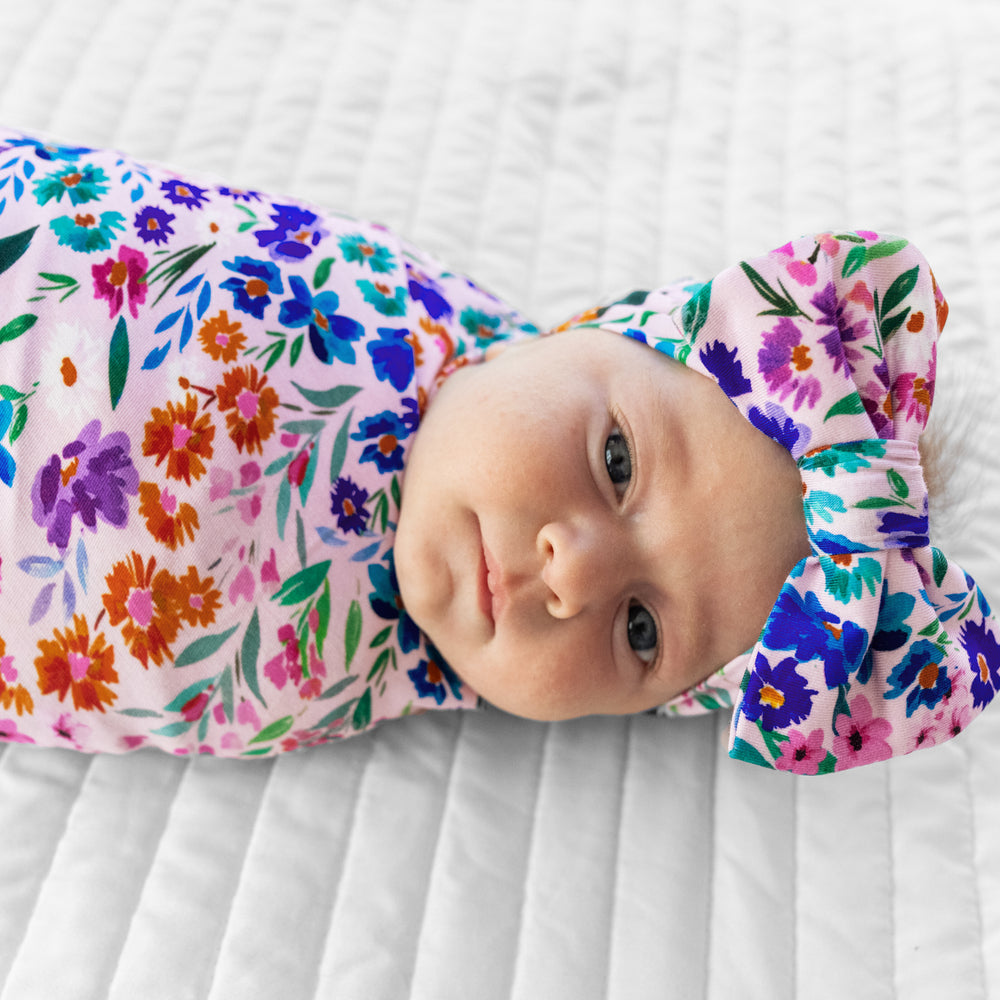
pixel 802 271
pixel 867 234
pixel 783 359
pixel 68 728
pixel 802 754
pixel 269 577
pixel 193 710
pixel 913 395
pixel 242 585
pixel 115 280
pixel 276 672
pixel 829 245
pixel 249 474
pixel 246 714
pixel 862 296
pixel 249 507
pixel 221 482
pixel 861 738
pixel 11 734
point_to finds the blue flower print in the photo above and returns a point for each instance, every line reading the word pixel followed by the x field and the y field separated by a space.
pixel 46 151
pixel 799 622
pixel 7 464
pixel 983 651
pixel 778 696
pixel 773 421
pixel 388 432
pixel 358 250
pixel 255 283
pixel 84 233
pixel 296 231
pixel 80 184
pixel 387 604
pixel 425 289
pixel 726 368
pixel 921 676
pixel 180 192
pixel 907 531
pixel 239 194
pixel 431 675
pixel 330 335
pixel 153 224
pixel 388 301
pixel 392 357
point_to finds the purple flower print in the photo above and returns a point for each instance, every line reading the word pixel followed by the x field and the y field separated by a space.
pixel 181 193
pixel 983 650
pixel 783 359
pixel 347 501
pixel 843 333
pixel 153 224
pixel 295 234
pixel 91 481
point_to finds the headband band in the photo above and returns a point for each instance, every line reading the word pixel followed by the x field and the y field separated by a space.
pixel 877 644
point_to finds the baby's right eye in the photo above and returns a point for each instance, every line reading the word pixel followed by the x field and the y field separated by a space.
pixel 618 460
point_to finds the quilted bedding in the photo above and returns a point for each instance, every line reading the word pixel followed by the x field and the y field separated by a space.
pixel 561 151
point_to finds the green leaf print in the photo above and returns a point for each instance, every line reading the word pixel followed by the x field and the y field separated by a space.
pixel 275 730
pixel 322 272
pixel 898 484
pixel 940 566
pixel 17 327
pixel 249 652
pixel 899 290
pixel 303 584
pixel 781 304
pixel 328 399
pixel 13 247
pixel 352 633
pixel 118 362
pixel 849 406
pixel 363 713
pixel 340 448
pixel 858 256
pixel 695 311
pixel 202 649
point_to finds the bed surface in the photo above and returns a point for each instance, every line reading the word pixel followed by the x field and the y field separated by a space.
pixel 561 152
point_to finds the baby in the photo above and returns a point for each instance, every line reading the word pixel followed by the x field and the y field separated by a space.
pixel 207 543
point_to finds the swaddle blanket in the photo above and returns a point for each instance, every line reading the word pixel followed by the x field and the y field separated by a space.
pixel 206 400
pixel 878 644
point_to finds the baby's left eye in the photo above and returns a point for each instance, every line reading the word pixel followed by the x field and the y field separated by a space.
pixel 642 635
pixel 617 460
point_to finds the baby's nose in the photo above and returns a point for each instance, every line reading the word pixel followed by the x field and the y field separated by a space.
pixel 578 567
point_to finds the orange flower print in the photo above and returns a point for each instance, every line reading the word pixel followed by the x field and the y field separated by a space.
pixel 180 436
pixel 221 339
pixel 12 693
pixel 73 662
pixel 147 604
pixel 166 519
pixel 198 599
pixel 252 403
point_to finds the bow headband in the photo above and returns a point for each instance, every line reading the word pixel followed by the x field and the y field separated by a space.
pixel 878 644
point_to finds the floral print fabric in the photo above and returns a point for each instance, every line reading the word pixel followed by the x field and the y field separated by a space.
pixel 206 400
pixel 878 644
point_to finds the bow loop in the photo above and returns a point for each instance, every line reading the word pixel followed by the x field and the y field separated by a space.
pixel 864 496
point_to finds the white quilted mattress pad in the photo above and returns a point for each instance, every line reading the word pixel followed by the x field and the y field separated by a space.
pixel 560 151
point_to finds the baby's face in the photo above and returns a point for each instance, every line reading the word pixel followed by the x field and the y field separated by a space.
pixel 561 539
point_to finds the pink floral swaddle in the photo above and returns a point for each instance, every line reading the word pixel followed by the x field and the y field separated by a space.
pixel 206 399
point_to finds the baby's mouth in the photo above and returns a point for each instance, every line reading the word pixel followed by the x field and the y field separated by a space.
pixel 492 596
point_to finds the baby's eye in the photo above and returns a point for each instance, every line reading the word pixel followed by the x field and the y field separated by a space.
pixel 642 632
pixel 617 460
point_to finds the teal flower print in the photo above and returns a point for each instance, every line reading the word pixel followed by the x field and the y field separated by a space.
pixel 387 300
pixel 79 184
pixel 848 574
pixel 358 250
pixel 480 325
pixel 85 234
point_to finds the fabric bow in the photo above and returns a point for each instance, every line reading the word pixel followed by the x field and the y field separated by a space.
pixel 878 644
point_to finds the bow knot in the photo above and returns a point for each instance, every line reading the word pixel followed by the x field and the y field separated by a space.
pixel 864 496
